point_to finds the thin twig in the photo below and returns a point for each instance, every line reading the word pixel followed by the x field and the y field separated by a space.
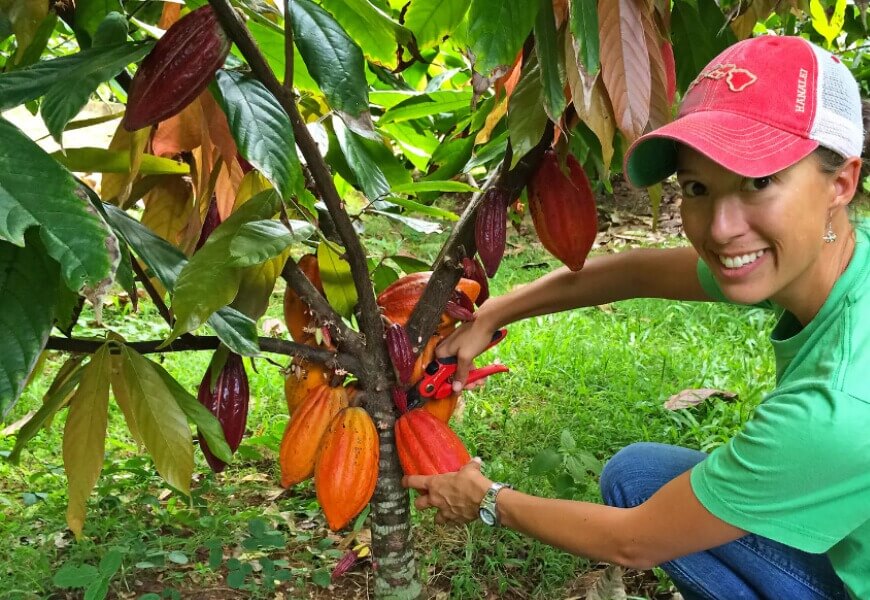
pixel 152 292
pixel 288 47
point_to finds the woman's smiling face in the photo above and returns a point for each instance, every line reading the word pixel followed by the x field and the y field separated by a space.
pixel 761 237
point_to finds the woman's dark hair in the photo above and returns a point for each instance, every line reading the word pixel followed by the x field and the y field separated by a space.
pixel 830 161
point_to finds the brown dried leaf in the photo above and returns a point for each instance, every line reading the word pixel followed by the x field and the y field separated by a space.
pixel 508 81
pixel 218 142
pixel 752 12
pixel 688 398
pixel 660 107
pixel 179 133
pixel 171 13
pixel 625 65
pixel 560 10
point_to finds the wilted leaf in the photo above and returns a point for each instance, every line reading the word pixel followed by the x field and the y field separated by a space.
pixel 608 586
pixel 660 107
pixel 167 208
pixel 754 11
pixel 592 106
pixel 688 398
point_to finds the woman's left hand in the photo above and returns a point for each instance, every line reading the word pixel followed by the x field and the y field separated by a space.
pixel 456 496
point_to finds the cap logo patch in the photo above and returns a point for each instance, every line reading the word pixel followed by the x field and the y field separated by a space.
pixel 736 78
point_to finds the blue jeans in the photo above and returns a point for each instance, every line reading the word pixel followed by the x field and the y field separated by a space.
pixel 751 567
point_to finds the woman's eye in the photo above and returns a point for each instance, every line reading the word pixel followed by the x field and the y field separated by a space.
pixel 756 184
pixel 693 188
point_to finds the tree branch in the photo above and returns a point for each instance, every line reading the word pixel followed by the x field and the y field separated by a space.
pixel 288 47
pixel 370 320
pixel 447 268
pixel 152 291
pixel 345 361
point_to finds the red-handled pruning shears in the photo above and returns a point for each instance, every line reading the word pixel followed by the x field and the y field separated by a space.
pixel 437 381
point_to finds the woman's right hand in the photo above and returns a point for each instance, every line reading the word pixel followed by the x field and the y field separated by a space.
pixel 466 343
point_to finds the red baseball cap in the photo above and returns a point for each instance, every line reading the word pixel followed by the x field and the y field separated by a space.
pixel 759 107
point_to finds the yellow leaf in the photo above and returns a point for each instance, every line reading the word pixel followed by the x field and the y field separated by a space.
pixel 828 28
pixel 252 184
pixel 168 208
pixel 122 395
pixel 84 437
pixel 256 285
pixel 116 187
pixel 25 16
pixel 492 119
pixel 336 277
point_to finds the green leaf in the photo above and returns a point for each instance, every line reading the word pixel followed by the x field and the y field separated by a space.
pixel 97 590
pixel 261 128
pixel 431 20
pixel 29 281
pixel 199 415
pixel 584 31
pixel 433 186
pixel 321 577
pixel 84 437
pixel 337 279
pixel 112 29
pixel 236 330
pixel 527 118
pixel 208 281
pixel 423 209
pixel 89 15
pixel 409 264
pixel 567 441
pixel 258 241
pixel 426 105
pixel 110 563
pixel 368 172
pixel 551 59
pixel 159 419
pixel 375 32
pixel 699 35
pixel 497 30
pixel 39 42
pixel 34 190
pixel 101 160
pixel 544 462
pixel 335 62
pixel 74 576
pixel 271 43
pixel 179 558
pixel 382 277
pixel 61 389
pixel 420 225
pixel 18 87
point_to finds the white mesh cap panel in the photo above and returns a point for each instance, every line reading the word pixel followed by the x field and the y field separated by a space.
pixel 838 124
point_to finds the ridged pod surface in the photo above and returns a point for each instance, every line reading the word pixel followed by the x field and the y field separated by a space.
pixel 305 431
pixel 563 210
pixel 177 70
pixel 228 401
pixel 490 229
pixel 347 466
pixel 304 376
pixel 442 408
pixel 401 354
pixel 297 315
pixel 400 297
pixel 474 270
pixel 427 446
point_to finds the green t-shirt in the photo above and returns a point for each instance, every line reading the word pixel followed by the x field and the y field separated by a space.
pixel 799 470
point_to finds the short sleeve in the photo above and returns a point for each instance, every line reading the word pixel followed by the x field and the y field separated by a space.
pixel 708 283
pixel 798 472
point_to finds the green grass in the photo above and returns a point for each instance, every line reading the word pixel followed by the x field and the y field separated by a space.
pixel 599 375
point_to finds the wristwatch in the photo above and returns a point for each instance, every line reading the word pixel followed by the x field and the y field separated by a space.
pixel 487 512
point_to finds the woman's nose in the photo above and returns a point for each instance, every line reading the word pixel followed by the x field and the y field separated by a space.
pixel 727 219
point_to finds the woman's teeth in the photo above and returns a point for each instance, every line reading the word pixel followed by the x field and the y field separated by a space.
pixel 734 262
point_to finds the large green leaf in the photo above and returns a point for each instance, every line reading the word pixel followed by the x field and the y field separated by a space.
pixel 84 437
pixel 415 207
pixel 337 279
pixel 58 393
pixel 259 241
pixel 427 105
pixel 335 62
pixel 430 20
pixel 270 40
pixel 372 164
pixel 102 160
pixel 234 329
pixel 159 420
pixel 375 31
pixel 199 415
pixel 699 35
pixel 526 115
pixel 551 59
pixel 584 29
pixel 261 128
pixel 35 190
pixel 29 281
pixel 28 84
pixel 497 30
pixel 208 281
pixel 89 15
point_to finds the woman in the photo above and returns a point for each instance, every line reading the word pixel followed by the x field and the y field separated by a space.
pixel 767 152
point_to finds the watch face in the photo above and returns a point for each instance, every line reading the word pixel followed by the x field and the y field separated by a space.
pixel 487 516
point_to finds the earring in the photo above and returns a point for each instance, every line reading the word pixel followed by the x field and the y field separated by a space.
pixel 830 237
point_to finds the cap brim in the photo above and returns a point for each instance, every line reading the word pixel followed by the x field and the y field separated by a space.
pixel 736 142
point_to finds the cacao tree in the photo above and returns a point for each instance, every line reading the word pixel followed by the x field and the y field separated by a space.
pixel 257 140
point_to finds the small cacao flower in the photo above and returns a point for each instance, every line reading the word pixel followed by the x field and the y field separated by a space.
pixel 177 70
pixel 228 401
pixel 490 229
pixel 563 210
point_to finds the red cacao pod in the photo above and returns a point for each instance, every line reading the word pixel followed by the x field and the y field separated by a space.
pixel 347 466
pixel 228 401
pixel 398 299
pixel 473 270
pixel 297 316
pixel 177 70
pixel 305 430
pixel 490 228
pixel 399 347
pixel 427 446
pixel 563 210
pixel 400 399
pixel 303 377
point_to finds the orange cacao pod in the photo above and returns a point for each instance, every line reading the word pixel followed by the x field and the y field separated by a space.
pixel 400 297
pixel 427 446
pixel 563 210
pixel 442 408
pixel 303 377
pixel 297 315
pixel 490 228
pixel 305 430
pixel 347 466
pixel 177 69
